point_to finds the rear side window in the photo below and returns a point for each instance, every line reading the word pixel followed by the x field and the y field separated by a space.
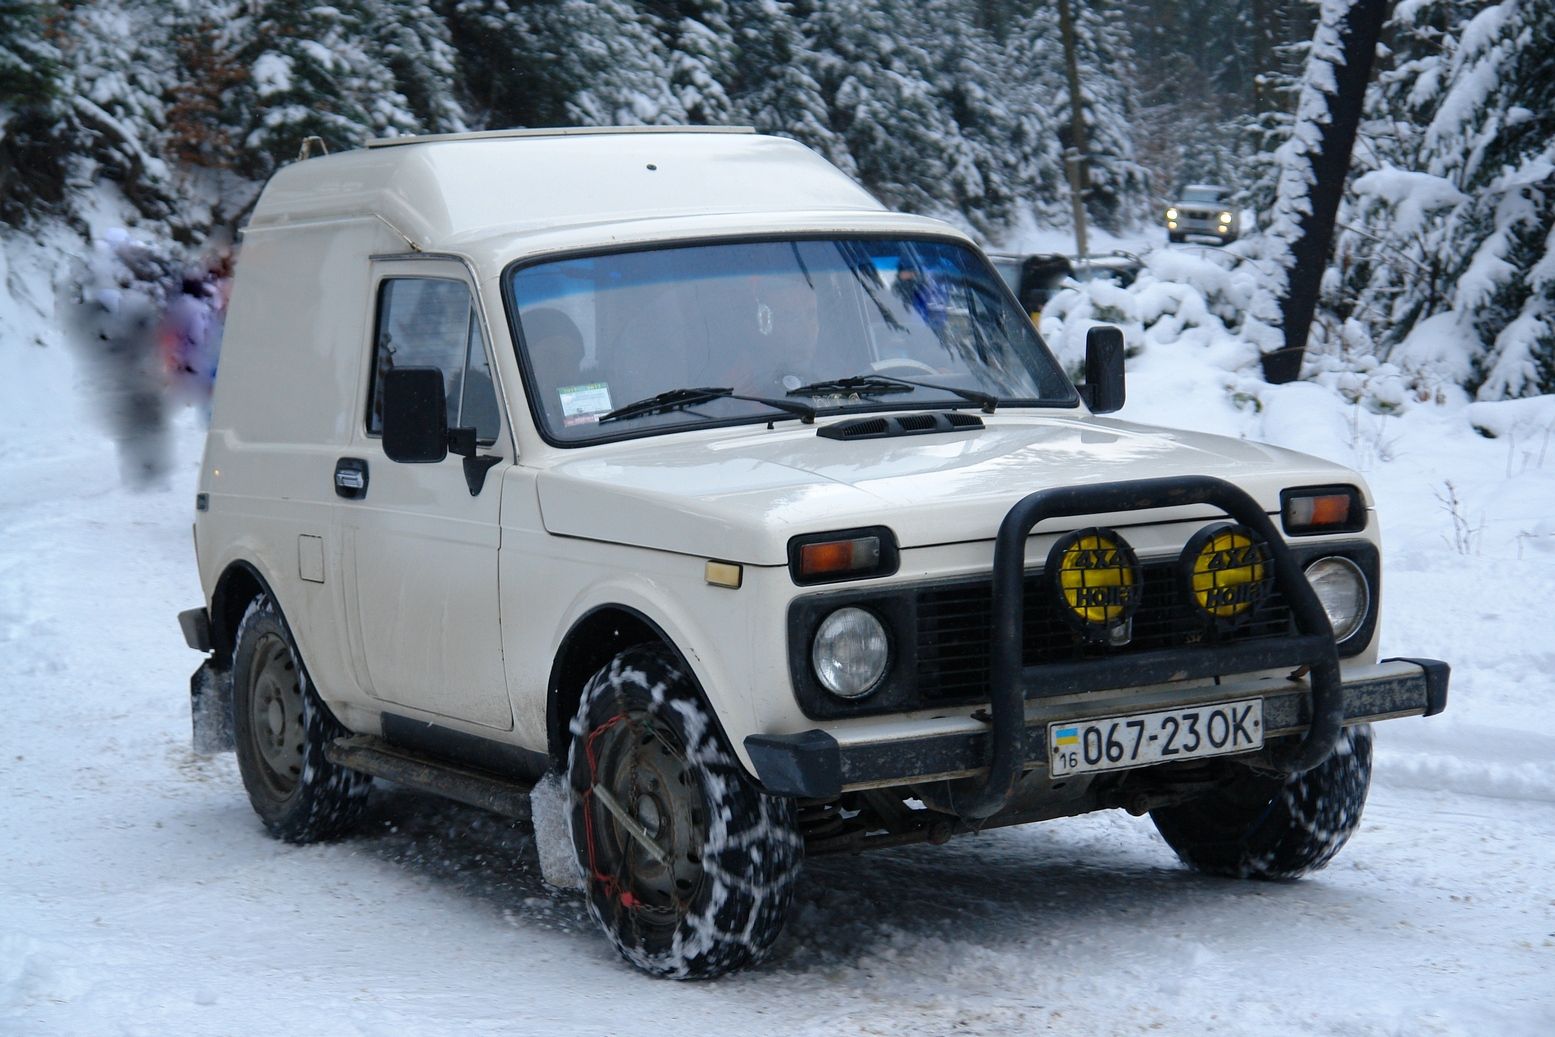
pixel 432 322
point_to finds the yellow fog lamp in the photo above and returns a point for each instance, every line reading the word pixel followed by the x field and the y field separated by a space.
pixel 1227 571
pixel 1096 578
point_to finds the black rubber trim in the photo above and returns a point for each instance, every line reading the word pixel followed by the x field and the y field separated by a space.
pixel 808 764
pixel 812 765
pixel 1437 674
pixel 196 625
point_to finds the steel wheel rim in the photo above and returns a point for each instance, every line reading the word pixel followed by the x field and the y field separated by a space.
pixel 275 715
pixel 648 774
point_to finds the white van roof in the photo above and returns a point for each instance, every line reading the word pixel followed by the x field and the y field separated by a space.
pixel 449 192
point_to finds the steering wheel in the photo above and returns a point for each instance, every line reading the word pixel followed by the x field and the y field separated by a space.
pixel 901 363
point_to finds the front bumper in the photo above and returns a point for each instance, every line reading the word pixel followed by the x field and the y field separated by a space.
pixel 1194 224
pixel 815 764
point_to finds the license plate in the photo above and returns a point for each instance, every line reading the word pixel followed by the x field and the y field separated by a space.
pixel 1140 739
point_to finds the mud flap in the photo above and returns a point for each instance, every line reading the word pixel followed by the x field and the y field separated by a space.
pixel 210 709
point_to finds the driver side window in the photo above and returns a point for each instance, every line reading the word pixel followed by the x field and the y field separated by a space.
pixel 432 322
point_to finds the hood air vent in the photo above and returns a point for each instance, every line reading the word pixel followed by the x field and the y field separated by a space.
pixel 905 425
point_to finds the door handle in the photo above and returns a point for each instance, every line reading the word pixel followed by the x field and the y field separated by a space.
pixel 351 478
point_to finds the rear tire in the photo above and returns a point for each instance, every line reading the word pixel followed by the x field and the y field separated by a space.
pixel 711 894
pixel 281 728
pixel 1273 828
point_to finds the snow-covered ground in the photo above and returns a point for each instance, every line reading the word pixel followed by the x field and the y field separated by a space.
pixel 139 895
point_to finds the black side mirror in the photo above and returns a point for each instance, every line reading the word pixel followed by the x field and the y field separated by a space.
pixel 1103 389
pixel 415 415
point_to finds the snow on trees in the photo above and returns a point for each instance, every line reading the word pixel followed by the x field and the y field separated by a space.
pixel 1453 207
pixel 175 110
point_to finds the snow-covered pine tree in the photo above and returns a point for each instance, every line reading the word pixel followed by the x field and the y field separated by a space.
pixel 1493 137
pixel 411 39
pixel 699 39
pixel 969 87
pixel 1034 58
pixel 877 84
pixel 119 59
pixel 312 72
pixel 28 64
pixel 1390 249
pixel 618 69
pixel 511 72
pixel 1453 209
pixel 31 152
pixel 774 87
pixel 206 67
pixel 1118 188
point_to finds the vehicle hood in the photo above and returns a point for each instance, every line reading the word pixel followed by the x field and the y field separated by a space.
pixel 740 496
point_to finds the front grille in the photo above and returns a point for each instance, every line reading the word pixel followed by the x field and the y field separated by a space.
pixel 954 621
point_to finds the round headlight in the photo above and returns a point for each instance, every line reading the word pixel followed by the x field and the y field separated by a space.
pixel 1341 587
pixel 850 652
pixel 1171 214
pixel 1225 217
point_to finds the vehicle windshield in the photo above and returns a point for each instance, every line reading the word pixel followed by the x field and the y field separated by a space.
pixel 1201 194
pixel 761 319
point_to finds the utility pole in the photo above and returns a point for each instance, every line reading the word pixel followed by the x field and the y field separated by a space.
pixel 1074 155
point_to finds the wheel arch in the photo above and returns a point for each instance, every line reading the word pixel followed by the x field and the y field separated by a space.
pixel 596 637
pixel 240 583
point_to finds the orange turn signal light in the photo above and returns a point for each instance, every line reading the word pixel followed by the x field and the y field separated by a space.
pixel 1323 509
pixel 846 555
pixel 834 557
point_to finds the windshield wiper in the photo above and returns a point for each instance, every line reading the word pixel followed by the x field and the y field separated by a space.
pixel 872 384
pixel 863 385
pixel 680 399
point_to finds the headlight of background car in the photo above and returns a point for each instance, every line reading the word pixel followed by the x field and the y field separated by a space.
pixel 1341 587
pixel 850 652
pixel 1171 214
pixel 1225 218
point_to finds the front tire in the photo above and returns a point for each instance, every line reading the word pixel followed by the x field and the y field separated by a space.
pixel 281 728
pixel 1273 828
pixel 689 868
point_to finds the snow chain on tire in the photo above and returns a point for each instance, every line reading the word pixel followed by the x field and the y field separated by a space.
pixel 1266 828
pixel 689 869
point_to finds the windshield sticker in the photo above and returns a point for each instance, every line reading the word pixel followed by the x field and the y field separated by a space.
pixel 583 404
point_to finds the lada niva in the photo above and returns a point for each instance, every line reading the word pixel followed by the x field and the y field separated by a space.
pixel 674 465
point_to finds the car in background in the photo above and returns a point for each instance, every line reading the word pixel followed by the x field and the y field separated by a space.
pixel 1203 209
pixel 1037 277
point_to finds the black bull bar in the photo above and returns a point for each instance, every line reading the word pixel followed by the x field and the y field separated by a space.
pixel 1312 647
pixel 812 764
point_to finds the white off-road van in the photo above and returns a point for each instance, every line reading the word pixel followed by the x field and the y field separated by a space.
pixel 674 464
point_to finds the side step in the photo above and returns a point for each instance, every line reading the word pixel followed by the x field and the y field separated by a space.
pixel 374 756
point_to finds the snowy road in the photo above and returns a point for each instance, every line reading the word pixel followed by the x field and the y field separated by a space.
pixel 138 894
